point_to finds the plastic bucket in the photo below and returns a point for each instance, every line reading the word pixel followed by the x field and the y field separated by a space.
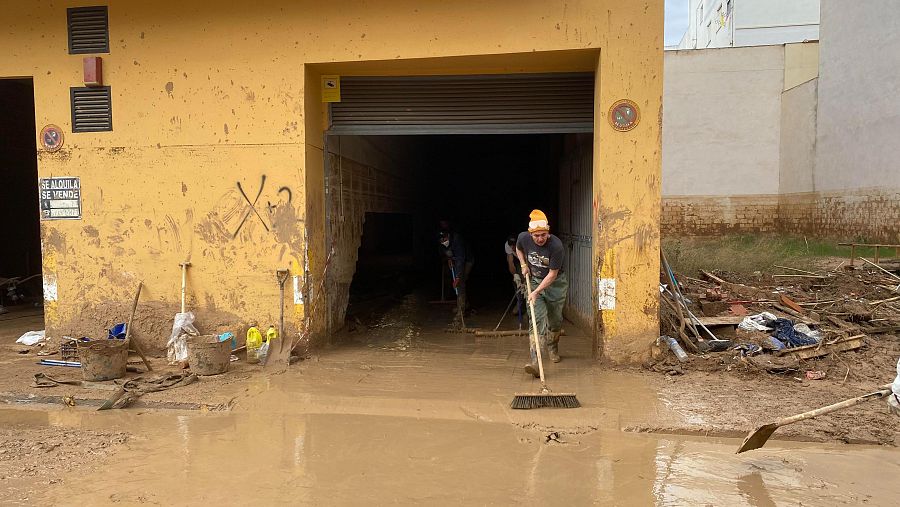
pixel 207 355
pixel 103 359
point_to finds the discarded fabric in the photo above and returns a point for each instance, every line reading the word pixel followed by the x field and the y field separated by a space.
pixel 758 322
pixel 815 375
pixel 775 343
pixel 136 387
pixel 31 338
pixel 748 349
pixel 785 333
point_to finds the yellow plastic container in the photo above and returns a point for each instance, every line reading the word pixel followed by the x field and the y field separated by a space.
pixel 254 342
pixel 271 333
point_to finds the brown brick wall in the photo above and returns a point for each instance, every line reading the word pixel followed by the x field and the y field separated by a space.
pixel 710 216
pixel 867 214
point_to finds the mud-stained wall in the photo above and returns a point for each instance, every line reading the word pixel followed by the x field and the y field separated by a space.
pixel 206 98
pixel 869 214
pixel 717 215
pixel 365 174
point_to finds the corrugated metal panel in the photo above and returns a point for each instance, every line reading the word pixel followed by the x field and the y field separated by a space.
pixel 88 29
pixel 506 103
pixel 91 109
pixel 576 204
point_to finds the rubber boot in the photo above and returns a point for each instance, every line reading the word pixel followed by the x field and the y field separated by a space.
pixel 553 347
pixel 531 368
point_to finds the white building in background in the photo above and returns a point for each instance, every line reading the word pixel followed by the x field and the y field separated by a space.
pixel 734 23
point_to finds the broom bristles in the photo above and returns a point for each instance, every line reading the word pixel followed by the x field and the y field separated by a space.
pixel 544 400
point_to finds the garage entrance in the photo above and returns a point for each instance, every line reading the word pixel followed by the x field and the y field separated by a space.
pixel 479 152
pixel 21 296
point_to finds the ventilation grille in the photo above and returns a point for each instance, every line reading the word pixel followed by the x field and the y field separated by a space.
pixel 88 30
pixel 91 109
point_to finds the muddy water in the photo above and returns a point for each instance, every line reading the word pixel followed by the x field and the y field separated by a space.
pixel 286 449
pixel 409 414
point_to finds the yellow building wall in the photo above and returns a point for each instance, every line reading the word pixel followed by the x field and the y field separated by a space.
pixel 208 95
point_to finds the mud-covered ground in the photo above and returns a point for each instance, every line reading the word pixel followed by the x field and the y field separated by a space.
pixel 35 455
pixel 727 392
pixel 403 394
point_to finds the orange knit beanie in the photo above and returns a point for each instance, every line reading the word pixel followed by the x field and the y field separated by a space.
pixel 538 221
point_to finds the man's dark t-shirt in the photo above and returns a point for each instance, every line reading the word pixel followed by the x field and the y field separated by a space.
pixel 541 259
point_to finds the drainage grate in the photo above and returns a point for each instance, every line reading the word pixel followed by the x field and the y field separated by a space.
pixel 88 30
pixel 91 109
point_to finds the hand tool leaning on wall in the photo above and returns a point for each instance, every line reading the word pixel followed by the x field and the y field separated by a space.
pixel 135 345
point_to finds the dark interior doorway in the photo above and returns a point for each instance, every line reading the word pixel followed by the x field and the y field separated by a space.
pixel 20 258
pixel 485 185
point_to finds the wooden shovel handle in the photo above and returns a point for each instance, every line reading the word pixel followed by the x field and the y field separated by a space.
pixel 881 393
pixel 534 337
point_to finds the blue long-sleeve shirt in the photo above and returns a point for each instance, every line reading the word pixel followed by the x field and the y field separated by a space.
pixel 458 252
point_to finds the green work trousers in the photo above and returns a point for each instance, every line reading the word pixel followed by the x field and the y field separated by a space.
pixel 548 309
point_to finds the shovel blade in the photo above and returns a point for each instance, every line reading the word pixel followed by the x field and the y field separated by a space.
pixel 758 438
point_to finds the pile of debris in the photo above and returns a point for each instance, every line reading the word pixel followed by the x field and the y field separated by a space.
pixel 775 320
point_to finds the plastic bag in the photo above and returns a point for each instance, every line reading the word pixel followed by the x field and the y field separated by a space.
pixel 176 348
pixel 812 333
pixel 758 322
pixel 31 338
pixel 263 353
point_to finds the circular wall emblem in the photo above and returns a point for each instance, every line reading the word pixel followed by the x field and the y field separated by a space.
pixel 624 115
pixel 51 138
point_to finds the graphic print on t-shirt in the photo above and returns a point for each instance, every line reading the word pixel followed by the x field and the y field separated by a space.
pixel 536 259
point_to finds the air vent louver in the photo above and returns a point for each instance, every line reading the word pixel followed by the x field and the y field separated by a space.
pixel 88 30
pixel 91 109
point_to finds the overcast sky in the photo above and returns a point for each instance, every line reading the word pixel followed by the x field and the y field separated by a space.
pixel 676 20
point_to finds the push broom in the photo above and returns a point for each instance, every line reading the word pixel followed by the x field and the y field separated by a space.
pixel 545 398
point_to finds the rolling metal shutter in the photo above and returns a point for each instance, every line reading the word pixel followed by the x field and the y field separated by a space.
pixel 489 104
pixel 575 229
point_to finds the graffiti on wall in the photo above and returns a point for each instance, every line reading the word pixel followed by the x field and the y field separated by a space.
pixel 251 206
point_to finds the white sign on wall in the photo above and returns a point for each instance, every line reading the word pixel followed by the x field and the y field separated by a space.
pixel 61 198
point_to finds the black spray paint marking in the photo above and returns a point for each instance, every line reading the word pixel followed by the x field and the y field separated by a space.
pixel 251 206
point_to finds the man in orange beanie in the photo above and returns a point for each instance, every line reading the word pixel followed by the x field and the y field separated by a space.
pixel 543 257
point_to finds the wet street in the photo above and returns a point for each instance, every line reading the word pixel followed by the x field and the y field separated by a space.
pixel 408 413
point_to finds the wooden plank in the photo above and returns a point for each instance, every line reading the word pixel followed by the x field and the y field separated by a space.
pixel 799 276
pixel 795 316
pixel 868 244
pixel 882 329
pixel 797 270
pixel 842 324
pixel 792 304
pixel 819 350
pixel 727 320
pixel 712 277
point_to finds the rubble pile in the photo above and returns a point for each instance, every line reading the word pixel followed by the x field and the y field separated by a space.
pixel 777 321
